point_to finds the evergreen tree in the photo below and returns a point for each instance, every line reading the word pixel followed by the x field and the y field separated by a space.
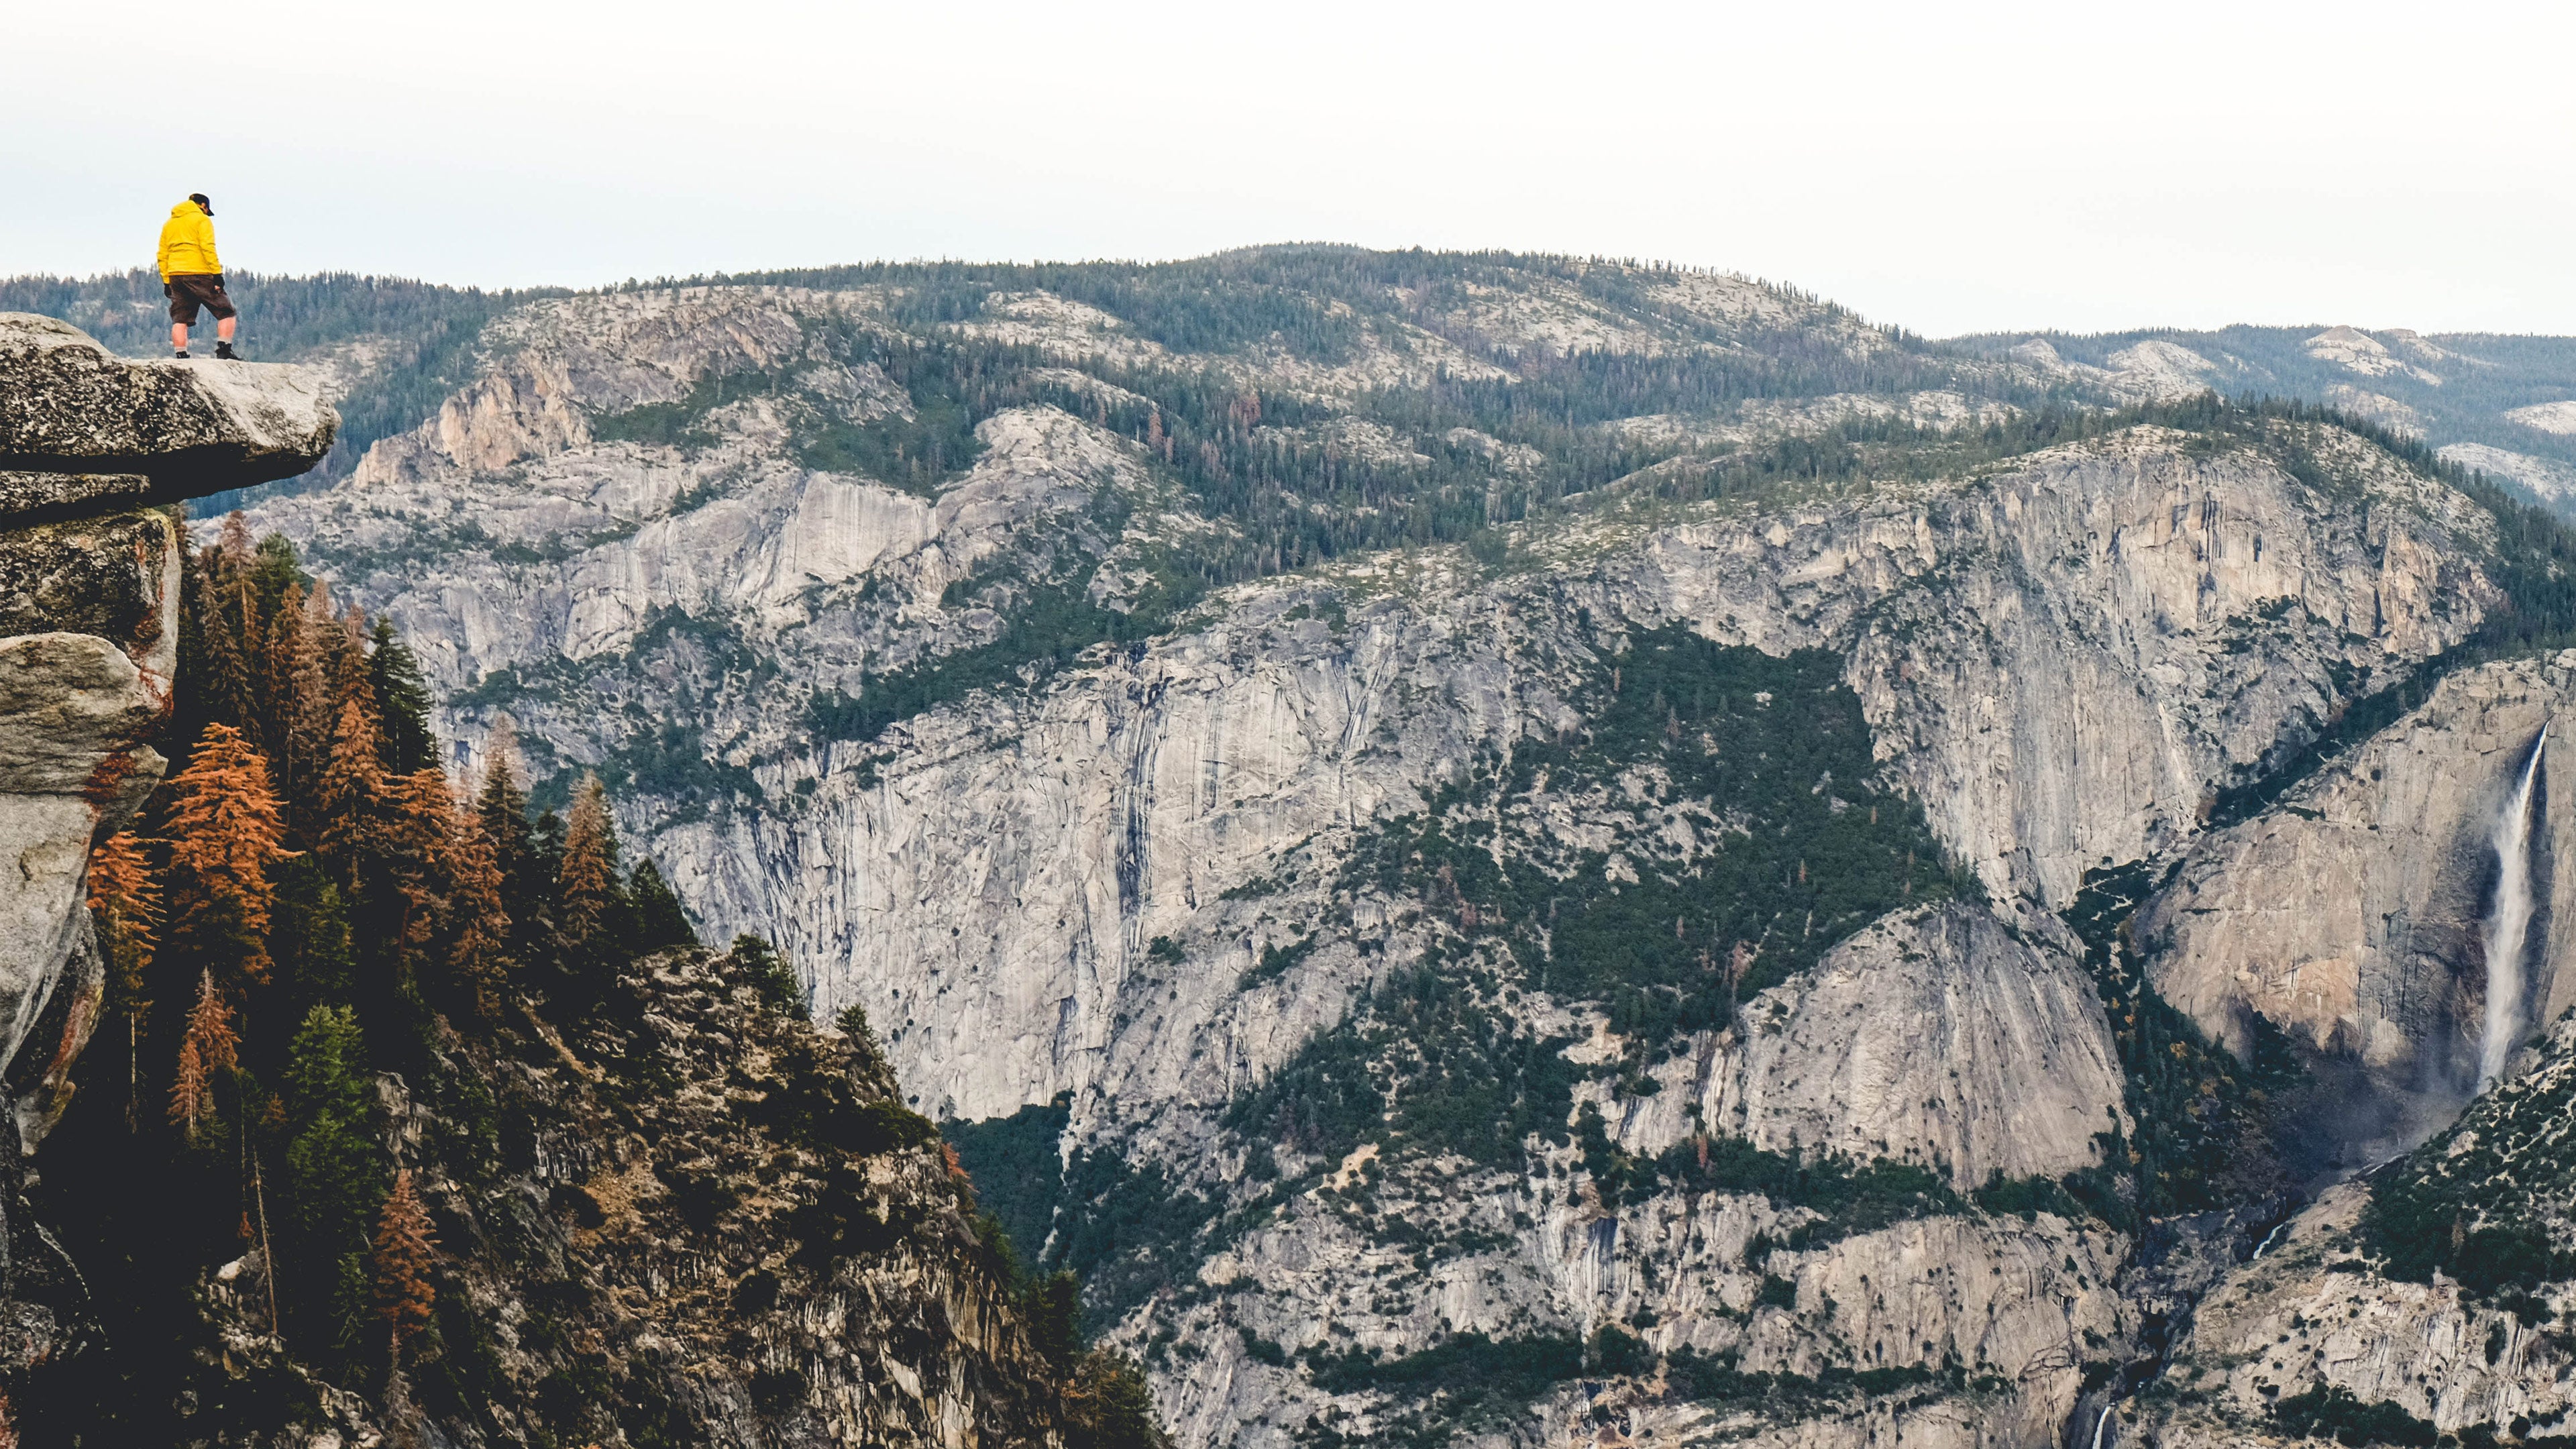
pixel 1054 1306
pixel 316 951
pixel 771 976
pixel 1111 1406
pixel 479 958
pixel 587 881
pixel 273 570
pixel 217 614
pixel 402 702
pixel 403 1250
pixel 590 908
pixel 333 1168
pixel 527 884
pixel 125 905
pixel 660 924
pixel 297 719
pixel 414 849
pixel 224 829
pixel 210 1046
pixel 350 793
pixel 210 1028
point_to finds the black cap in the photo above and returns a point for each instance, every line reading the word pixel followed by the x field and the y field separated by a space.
pixel 199 197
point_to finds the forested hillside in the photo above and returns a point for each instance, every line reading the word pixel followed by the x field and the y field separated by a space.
pixel 401 1091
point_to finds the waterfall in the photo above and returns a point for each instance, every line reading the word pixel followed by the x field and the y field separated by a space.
pixel 2508 923
pixel 2101 1424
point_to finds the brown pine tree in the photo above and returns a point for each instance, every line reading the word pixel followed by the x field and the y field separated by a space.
pixel 190 1100
pixel 297 725
pixel 224 832
pixel 210 1028
pixel 416 843
pixel 125 905
pixel 405 1247
pixel 350 792
pixel 588 884
pixel 482 935
pixel 344 654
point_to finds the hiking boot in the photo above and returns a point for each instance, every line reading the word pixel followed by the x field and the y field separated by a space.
pixel 181 354
pixel 224 350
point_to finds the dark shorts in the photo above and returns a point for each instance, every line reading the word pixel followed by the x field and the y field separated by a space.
pixel 191 290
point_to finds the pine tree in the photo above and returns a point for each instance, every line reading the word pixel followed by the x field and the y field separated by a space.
pixel 587 885
pixel 1111 1406
pixel 527 883
pixel 298 720
pixel 190 1100
pixel 125 904
pixel 210 1028
pixel 333 1168
pixel 416 845
pixel 224 829
pixel 479 958
pixel 210 1046
pixel 402 702
pixel 317 706
pixel 590 911
pixel 217 610
pixel 660 924
pixel 351 792
pixel 316 950
pixel 404 1246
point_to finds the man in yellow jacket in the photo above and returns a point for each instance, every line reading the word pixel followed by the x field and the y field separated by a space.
pixel 191 277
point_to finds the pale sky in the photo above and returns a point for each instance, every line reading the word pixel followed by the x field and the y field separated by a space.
pixel 1960 167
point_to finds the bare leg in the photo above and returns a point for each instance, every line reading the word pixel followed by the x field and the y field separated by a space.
pixel 178 336
pixel 223 329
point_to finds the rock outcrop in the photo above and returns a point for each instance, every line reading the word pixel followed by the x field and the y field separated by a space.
pixel 95 421
pixel 89 640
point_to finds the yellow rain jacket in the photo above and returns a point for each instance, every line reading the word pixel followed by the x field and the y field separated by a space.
pixel 188 242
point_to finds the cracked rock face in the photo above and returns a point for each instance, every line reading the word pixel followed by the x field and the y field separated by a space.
pixel 86 416
pixel 86 666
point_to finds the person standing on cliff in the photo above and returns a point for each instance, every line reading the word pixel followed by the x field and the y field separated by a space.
pixel 191 276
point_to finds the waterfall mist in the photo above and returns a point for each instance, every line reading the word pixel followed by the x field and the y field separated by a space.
pixel 2509 923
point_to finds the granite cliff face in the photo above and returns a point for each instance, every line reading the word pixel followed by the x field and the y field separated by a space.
pixel 2340 916
pixel 1159 898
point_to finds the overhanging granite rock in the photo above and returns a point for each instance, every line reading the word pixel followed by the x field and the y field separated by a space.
pixel 86 422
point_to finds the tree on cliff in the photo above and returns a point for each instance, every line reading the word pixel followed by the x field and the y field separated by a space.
pixel 402 702
pixel 591 908
pixel 350 792
pixel 210 1046
pixel 224 830
pixel 404 1247
pixel 1111 1406
pixel 660 924
pixel 478 960
pixel 125 903
pixel 333 1166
